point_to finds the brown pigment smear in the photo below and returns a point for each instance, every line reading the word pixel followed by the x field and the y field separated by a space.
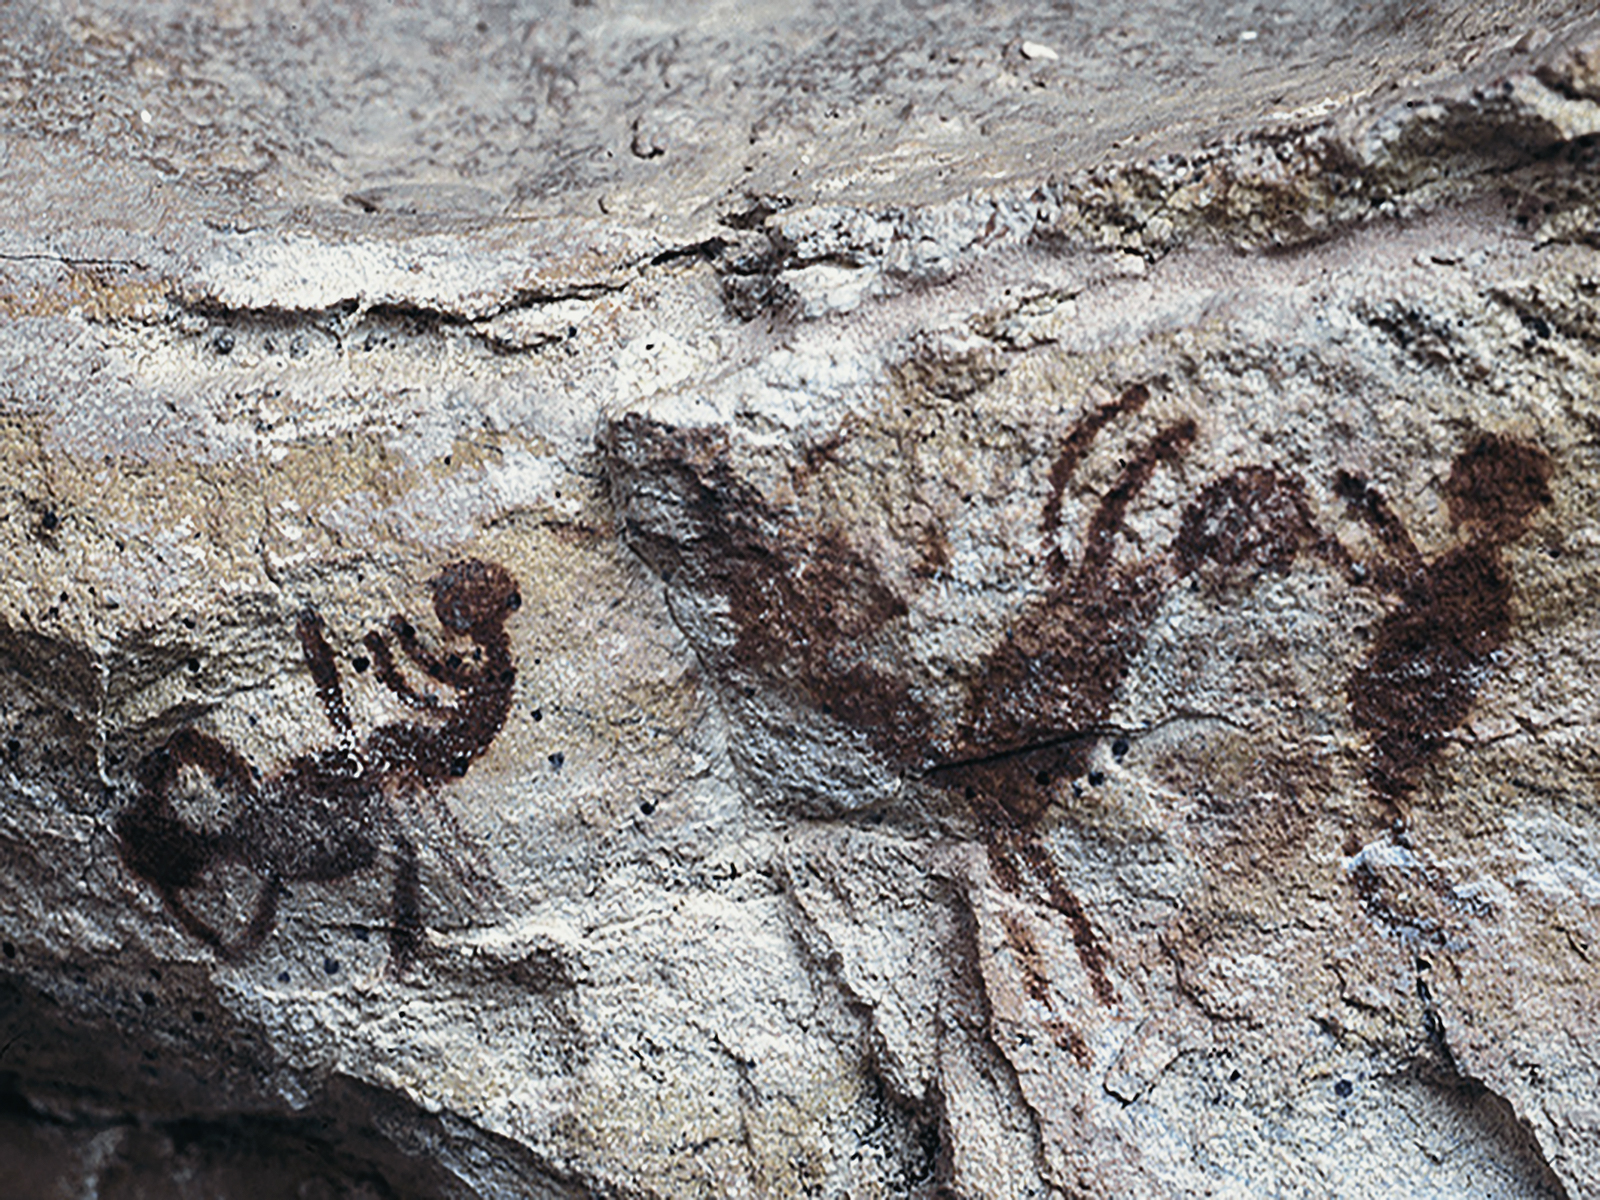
pixel 1037 984
pixel 1073 447
pixel 802 603
pixel 1251 520
pixel 1431 653
pixel 1091 953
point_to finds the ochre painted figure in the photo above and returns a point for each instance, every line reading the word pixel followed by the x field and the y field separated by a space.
pixel 327 814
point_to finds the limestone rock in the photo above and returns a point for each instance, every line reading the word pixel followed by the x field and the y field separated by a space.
pixel 604 603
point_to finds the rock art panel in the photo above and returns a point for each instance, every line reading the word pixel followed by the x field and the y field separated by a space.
pixel 1121 484
pixel 802 631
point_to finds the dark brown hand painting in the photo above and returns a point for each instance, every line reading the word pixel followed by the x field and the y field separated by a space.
pixel 1043 693
pixel 326 815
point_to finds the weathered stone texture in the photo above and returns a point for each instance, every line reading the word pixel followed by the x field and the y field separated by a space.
pixel 784 602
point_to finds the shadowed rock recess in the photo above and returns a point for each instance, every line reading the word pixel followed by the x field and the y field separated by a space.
pixel 746 600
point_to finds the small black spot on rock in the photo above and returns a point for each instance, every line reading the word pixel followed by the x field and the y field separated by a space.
pixel 283 977
pixel 459 765
pixel 9 950
pixel 647 807
pixel 198 1017
pixel 148 999
pixel 1119 749
pixel 360 662
pixel 331 965
pixel 222 342
pixel 1042 778
pixel 48 521
pixel 193 664
pixel 538 714
pixel 558 760
pixel 1343 1088
pixel 1096 778
pixel 362 935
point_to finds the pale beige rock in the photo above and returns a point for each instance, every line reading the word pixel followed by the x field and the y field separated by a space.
pixel 979 722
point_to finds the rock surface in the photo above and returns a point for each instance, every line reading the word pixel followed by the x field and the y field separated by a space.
pixel 774 601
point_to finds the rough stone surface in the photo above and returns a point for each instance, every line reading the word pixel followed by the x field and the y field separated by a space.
pixel 799 601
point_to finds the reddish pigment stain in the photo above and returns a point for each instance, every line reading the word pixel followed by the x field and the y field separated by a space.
pixel 1432 652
